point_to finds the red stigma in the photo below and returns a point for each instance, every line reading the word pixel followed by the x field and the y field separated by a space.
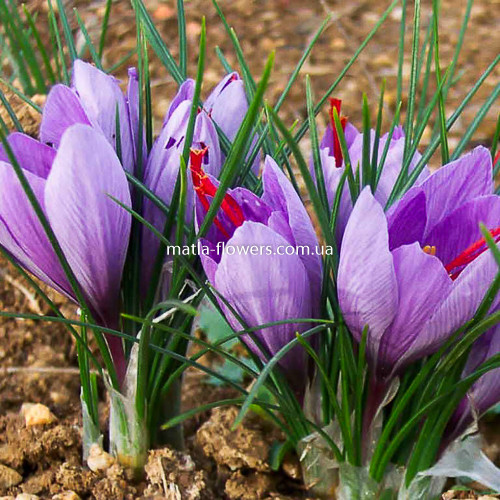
pixel 337 150
pixel 456 266
pixel 204 187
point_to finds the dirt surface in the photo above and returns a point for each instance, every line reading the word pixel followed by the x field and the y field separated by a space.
pixel 38 360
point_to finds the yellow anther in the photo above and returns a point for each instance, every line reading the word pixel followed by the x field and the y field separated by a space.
pixel 431 250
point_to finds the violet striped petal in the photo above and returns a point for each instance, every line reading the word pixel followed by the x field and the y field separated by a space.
pixel 92 229
pixel 366 280
pixel 30 154
pixel 62 109
pixel 102 98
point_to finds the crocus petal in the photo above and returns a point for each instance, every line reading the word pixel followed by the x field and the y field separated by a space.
pixel 266 288
pixel 350 134
pixel 456 183
pixel 366 281
pixel 253 208
pixel 423 283
pixel 227 105
pixel 167 144
pixel 484 393
pixel 208 263
pixel 92 229
pixel 205 135
pixel 406 219
pixel 31 154
pixel 62 109
pixel 102 99
pixel 460 229
pixel 133 111
pixel 22 234
pixel 280 196
pixel 393 165
pixel 333 176
pixel 460 305
pixel 185 93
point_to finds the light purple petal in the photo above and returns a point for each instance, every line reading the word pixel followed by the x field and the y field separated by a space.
pixel 227 105
pixel 266 288
pixel 350 134
pixel 332 176
pixel 102 99
pixel 62 109
pixel 456 183
pixel 460 229
pixel 281 197
pixel 22 234
pixel 366 280
pixel 406 220
pixel 423 283
pixel 205 135
pixel 92 229
pixel 31 154
pixel 167 145
pixel 460 305
pixel 393 165
pixel 485 392
pixel 185 93
pixel 133 111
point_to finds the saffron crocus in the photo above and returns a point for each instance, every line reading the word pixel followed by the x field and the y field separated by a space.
pixel 419 273
pixel 227 106
pixel 162 168
pixel 333 164
pixel 95 99
pixel 253 273
pixel 72 186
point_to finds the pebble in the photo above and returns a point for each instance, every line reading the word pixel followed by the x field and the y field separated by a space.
pixel 98 459
pixel 9 477
pixel 37 414
pixel 66 495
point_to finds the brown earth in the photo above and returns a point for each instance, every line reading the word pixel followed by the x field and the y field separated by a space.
pixel 38 360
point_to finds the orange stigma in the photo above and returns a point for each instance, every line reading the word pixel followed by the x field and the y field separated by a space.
pixel 456 266
pixel 204 187
pixel 337 150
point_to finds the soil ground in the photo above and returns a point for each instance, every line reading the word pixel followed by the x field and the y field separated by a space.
pixel 38 360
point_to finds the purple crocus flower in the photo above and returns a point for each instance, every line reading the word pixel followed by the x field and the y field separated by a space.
pixel 162 168
pixel 333 165
pixel 253 273
pixel 227 105
pixel 485 393
pixel 95 99
pixel 417 274
pixel 72 186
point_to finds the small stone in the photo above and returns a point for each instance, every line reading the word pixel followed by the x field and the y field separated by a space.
pixel 9 477
pixel 27 496
pixel 98 459
pixel 291 466
pixel 37 414
pixel 66 495
pixel 164 12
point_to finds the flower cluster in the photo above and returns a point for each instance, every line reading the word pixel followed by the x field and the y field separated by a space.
pixel 409 277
